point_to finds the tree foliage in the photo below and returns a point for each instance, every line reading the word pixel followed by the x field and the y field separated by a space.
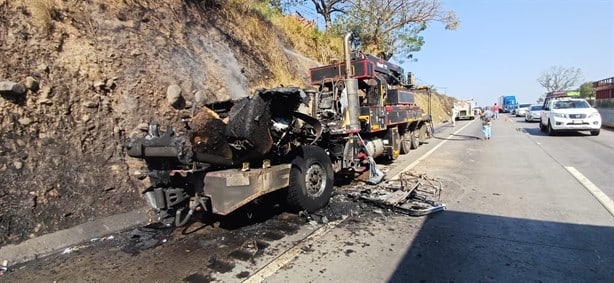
pixel 393 26
pixel 586 90
pixel 559 78
pixel 325 8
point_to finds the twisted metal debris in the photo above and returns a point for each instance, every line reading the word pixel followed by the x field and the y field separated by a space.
pixel 412 194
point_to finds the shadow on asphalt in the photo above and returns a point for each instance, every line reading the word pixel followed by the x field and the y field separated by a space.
pixel 466 247
pixel 538 132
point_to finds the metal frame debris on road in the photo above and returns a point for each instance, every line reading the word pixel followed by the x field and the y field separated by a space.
pixel 411 194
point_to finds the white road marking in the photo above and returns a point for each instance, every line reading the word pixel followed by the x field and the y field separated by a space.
pixel 606 201
pixel 413 164
pixel 290 254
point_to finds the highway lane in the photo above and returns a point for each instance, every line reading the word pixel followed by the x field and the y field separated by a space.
pixel 593 156
pixel 515 214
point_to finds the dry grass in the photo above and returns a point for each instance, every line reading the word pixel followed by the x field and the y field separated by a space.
pixel 42 11
pixel 253 28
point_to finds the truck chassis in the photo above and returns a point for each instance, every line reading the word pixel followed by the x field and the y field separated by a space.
pixel 234 152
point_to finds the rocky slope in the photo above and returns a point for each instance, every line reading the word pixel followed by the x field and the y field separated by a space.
pixel 80 77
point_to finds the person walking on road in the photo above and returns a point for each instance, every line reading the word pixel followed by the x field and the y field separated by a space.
pixel 495 110
pixel 486 118
pixel 454 114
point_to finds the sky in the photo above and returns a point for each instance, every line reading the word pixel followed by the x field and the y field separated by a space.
pixel 502 46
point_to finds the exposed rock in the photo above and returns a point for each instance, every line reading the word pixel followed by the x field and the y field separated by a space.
pixel 99 84
pixel 32 84
pixel 12 88
pixel 90 104
pixel 143 127
pixel 44 101
pixel 110 84
pixel 18 165
pixel 173 95
pixel 47 92
pixel 42 68
pixel 200 98
pixel 25 121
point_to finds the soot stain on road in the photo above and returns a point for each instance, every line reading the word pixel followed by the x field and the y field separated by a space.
pixel 211 248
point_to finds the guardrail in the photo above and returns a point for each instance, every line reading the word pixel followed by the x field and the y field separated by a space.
pixel 607 116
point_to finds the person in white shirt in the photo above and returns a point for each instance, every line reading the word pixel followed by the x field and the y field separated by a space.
pixel 454 114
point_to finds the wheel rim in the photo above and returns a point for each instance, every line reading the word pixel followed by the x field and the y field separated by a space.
pixel 406 145
pixel 415 139
pixel 315 180
pixel 406 142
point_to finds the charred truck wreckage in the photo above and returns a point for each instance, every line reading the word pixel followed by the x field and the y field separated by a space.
pixel 284 138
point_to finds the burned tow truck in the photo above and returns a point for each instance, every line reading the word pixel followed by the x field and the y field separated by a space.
pixel 284 137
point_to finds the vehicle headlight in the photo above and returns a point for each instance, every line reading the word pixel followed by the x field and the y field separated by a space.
pixel 560 115
pixel 594 115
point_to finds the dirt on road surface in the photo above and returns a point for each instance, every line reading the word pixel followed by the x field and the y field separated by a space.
pixel 225 249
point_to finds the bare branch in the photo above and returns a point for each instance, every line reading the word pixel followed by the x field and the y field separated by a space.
pixel 559 78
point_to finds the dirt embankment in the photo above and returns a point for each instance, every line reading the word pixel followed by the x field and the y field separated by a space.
pixel 95 72
pixel 102 69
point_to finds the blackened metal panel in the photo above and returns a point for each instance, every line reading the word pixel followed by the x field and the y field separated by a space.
pixel 399 96
pixel 249 119
pixel 398 114
pixel 377 118
pixel 403 113
pixel 362 68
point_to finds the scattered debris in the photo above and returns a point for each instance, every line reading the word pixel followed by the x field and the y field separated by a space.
pixel 70 250
pixel 147 237
pixel 411 194
pixel 197 278
pixel 4 267
pixel 313 219
pixel 102 239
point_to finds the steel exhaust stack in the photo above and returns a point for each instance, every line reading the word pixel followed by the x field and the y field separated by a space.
pixel 351 87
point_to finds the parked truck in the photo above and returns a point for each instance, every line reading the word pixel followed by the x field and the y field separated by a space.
pixel 285 138
pixel 507 103
pixel 465 109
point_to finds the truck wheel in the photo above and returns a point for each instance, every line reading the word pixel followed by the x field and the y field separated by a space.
pixel 551 131
pixel 594 132
pixel 311 180
pixel 406 142
pixel 415 139
pixel 423 133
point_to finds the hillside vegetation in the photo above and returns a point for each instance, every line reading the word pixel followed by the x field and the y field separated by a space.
pixel 97 71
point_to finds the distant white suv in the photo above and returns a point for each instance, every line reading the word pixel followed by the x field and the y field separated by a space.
pixel 569 114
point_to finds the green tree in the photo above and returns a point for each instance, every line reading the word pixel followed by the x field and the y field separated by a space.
pixel 393 27
pixel 559 78
pixel 587 91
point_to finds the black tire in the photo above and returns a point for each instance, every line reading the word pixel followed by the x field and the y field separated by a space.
pixel 541 126
pixel 551 131
pixel 311 180
pixel 422 134
pixel 415 139
pixel 595 132
pixel 406 142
